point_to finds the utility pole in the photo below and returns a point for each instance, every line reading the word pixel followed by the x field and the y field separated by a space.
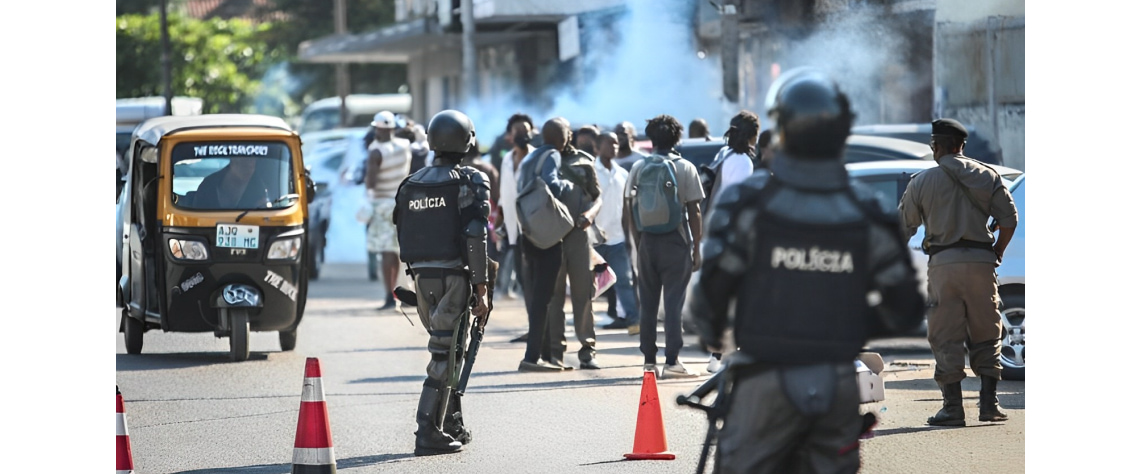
pixel 342 85
pixel 730 50
pixel 470 74
pixel 166 91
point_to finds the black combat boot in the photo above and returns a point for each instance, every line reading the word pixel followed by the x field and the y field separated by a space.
pixel 453 424
pixel 430 440
pixel 988 409
pixel 952 413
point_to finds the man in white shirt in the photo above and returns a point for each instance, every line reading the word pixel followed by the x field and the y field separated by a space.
pixel 628 154
pixel 519 131
pixel 612 178
pixel 389 160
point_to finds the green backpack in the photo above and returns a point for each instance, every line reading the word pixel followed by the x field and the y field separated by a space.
pixel 655 199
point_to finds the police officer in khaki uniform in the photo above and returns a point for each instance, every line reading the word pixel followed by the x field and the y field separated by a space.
pixel 955 200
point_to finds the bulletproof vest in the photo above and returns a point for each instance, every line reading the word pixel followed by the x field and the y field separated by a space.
pixel 428 224
pixel 804 297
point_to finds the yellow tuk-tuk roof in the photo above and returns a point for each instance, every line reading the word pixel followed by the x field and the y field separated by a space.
pixel 152 130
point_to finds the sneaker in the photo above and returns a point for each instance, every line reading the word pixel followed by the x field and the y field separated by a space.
pixel 634 330
pixel 714 364
pixel 649 368
pixel 677 370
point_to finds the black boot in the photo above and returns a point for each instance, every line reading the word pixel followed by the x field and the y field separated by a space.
pixel 988 409
pixel 429 439
pixel 453 424
pixel 952 413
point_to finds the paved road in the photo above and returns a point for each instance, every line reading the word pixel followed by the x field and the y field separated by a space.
pixel 189 410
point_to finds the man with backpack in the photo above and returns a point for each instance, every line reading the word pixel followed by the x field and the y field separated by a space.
pixel 664 194
pixel 542 261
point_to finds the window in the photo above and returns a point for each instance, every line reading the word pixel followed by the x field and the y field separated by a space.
pixel 233 175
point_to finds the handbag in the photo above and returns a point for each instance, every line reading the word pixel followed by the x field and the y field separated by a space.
pixel 544 219
pixel 604 276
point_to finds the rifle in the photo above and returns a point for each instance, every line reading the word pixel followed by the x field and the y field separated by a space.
pixel 477 329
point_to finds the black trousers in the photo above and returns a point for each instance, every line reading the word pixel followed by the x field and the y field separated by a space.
pixel 540 267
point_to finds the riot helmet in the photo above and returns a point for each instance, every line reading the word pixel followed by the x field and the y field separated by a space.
pixel 812 116
pixel 450 131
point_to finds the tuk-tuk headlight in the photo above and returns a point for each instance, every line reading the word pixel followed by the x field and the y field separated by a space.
pixel 285 249
pixel 188 249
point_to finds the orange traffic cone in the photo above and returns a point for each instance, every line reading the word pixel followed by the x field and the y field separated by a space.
pixel 124 463
pixel 313 448
pixel 649 438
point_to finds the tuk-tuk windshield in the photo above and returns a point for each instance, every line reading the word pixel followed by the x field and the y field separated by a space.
pixel 233 175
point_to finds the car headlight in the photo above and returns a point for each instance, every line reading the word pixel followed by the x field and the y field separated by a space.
pixel 285 249
pixel 188 249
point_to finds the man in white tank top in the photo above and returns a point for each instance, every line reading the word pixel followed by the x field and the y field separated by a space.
pixel 389 161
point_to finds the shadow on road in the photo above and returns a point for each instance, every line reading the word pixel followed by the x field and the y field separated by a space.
pixel 180 360
pixel 921 429
pixel 360 461
pixel 1011 394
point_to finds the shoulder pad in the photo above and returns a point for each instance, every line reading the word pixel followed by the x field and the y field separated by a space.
pixel 478 178
pixel 756 181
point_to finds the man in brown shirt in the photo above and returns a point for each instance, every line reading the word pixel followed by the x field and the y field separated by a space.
pixel 954 200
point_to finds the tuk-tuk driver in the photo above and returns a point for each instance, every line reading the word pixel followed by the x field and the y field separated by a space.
pixel 234 187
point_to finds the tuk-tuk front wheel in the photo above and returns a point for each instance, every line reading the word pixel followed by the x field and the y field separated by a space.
pixel 288 339
pixel 133 333
pixel 239 334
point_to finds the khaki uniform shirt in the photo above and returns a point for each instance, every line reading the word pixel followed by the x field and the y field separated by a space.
pixel 933 199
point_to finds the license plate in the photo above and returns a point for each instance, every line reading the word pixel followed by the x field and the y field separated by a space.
pixel 237 236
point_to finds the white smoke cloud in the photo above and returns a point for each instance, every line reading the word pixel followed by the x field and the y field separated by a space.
pixel 652 68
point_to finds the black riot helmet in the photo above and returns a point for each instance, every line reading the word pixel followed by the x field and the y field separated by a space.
pixel 451 131
pixel 812 116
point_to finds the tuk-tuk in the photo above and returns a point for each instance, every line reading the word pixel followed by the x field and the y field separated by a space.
pixel 215 229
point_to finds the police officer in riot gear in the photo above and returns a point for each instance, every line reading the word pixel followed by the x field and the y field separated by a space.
pixel 441 219
pixel 812 266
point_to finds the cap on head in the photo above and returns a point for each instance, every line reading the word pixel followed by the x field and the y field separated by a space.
pixel 384 119
pixel 451 131
pixel 949 127
pixel 812 116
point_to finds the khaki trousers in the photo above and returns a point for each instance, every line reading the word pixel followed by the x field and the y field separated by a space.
pixel 963 317
pixel 576 265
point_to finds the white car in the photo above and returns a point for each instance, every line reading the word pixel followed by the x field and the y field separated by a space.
pixel 890 179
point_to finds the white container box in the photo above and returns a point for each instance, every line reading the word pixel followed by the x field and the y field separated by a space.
pixel 870 382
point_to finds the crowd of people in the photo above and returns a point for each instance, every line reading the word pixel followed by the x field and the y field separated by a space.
pixel 589 169
pixel 811 265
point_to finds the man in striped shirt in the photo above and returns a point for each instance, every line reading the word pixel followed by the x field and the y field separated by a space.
pixel 389 161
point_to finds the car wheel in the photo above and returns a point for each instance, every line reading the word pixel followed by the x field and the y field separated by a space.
pixel 288 339
pixel 1012 355
pixel 133 333
pixel 239 335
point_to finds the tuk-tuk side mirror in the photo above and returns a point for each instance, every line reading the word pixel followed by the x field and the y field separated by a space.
pixel 149 155
pixel 310 188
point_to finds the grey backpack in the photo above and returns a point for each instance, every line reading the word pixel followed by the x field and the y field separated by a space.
pixel 543 218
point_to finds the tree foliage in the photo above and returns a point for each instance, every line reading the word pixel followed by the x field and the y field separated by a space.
pixel 236 66
pixel 220 61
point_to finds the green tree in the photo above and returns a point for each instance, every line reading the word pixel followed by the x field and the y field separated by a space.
pixel 219 61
